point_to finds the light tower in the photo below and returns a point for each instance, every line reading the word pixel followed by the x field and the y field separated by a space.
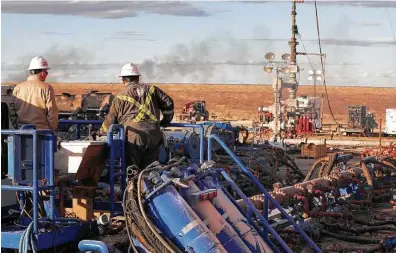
pixel 314 75
pixel 279 67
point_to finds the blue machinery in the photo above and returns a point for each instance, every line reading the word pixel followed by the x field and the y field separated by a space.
pixel 205 218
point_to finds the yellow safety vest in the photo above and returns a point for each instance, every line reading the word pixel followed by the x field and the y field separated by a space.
pixel 143 108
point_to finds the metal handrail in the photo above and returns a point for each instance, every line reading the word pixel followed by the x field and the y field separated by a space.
pixel 30 130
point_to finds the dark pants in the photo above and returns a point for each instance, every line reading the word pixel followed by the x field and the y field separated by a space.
pixel 142 148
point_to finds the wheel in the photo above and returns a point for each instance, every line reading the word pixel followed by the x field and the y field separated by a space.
pixel 367 132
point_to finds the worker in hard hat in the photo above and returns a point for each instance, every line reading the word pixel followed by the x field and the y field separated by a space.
pixel 137 107
pixel 33 101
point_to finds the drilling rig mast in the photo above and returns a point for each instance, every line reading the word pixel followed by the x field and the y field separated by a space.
pixel 293 68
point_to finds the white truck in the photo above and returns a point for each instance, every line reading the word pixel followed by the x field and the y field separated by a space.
pixel 390 122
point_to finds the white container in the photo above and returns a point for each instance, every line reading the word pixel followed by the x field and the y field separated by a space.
pixel 390 121
pixel 68 158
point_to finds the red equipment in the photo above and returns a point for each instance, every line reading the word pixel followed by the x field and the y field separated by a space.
pixel 305 126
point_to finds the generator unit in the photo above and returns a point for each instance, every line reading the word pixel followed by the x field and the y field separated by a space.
pixel 356 116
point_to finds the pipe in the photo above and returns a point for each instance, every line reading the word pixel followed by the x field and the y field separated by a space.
pixel 91 245
pixel 260 186
pixel 363 143
pixel 282 194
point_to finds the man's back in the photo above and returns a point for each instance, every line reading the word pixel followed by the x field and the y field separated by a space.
pixel 33 102
pixel 139 106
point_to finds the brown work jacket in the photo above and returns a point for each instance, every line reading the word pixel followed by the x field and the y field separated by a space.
pixel 33 102
pixel 138 107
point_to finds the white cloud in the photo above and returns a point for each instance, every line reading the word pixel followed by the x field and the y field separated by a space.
pixel 103 9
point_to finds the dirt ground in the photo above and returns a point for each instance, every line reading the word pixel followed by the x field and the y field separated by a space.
pixel 240 102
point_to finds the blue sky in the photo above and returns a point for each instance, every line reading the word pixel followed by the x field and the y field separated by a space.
pixel 214 42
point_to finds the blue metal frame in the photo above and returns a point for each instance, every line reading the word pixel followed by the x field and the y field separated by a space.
pixel 117 152
pixel 43 149
pixel 49 169
pixel 267 197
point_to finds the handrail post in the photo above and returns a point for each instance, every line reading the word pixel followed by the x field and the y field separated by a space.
pixel 51 151
pixel 35 190
pixel 110 139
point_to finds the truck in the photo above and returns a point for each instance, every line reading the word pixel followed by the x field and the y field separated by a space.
pixel 195 111
pixel 390 122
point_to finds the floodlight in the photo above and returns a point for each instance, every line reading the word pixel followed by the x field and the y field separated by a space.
pixel 319 78
pixel 285 57
pixel 310 78
pixel 269 56
pixel 318 72
pixel 268 69
pixel 311 72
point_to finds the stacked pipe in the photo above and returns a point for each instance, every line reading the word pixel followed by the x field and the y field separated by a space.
pixel 381 152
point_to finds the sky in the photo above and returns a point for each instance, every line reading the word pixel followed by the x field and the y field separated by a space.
pixel 198 42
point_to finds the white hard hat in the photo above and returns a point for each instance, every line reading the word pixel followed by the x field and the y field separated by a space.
pixel 38 62
pixel 129 69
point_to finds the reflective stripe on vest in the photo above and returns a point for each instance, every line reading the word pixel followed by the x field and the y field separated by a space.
pixel 104 128
pixel 143 109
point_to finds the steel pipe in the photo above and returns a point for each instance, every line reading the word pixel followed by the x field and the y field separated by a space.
pixel 354 143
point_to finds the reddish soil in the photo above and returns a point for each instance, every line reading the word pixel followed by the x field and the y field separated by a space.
pixel 239 102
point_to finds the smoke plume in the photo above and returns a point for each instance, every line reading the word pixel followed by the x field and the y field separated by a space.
pixel 65 64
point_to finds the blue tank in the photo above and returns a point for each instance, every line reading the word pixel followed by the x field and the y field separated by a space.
pixel 175 218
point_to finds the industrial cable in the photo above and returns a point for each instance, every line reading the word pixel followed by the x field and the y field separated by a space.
pixel 305 50
pixel 391 26
pixel 28 240
pixel 141 231
pixel 132 245
pixel 322 63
